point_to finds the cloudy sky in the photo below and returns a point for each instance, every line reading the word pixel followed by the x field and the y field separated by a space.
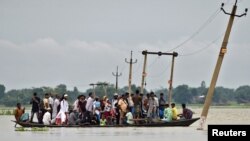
pixel 77 42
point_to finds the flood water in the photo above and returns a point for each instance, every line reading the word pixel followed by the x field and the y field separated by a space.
pixel 215 116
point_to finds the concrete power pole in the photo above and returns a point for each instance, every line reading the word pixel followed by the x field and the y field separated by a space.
pixel 116 78
pixel 223 50
pixel 144 71
pixel 170 89
pixel 130 72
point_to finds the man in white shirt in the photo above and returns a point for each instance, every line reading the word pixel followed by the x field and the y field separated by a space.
pixel 89 104
pixel 64 109
pixel 89 107
pixel 47 117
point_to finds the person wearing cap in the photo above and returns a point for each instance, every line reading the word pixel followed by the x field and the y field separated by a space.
pixel 64 109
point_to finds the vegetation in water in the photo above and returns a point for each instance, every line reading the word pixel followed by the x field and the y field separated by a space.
pixel 6 112
pixel 31 129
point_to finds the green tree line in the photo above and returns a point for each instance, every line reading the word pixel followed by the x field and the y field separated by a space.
pixel 181 93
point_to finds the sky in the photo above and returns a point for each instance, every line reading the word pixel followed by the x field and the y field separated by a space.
pixel 78 42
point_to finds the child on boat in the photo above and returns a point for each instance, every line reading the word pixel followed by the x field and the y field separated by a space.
pixel 103 121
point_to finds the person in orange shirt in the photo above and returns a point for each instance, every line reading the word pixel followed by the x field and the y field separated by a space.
pixel 123 105
pixel 18 112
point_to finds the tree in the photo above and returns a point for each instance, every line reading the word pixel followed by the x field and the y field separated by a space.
pixel 223 96
pixel 102 90
pixel 61 89
pixel 2 91
pixel 133 89
pixel 242 94
pixel 182 94
pixel 203 84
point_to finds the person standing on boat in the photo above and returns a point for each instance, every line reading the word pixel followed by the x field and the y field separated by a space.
pixel 122 105
pixel 76 104
pixel 51 101
pixel 82 108
pixel 97 109
pixel 46 102
pixel 162 103
pixel 64 109
pixel 137 103
pixel 156 111
pixel 151 106
pixel 35 106
pixel 114 112
pixel 56 104
pixel 89 107
pixel 130 102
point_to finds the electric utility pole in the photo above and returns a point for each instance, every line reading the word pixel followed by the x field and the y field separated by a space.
pixel 223 50
pixel 170 82
pixel 116 78
pixel 144 74
pixel 130 71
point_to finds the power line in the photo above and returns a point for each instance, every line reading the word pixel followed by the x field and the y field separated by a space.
pixel 204 48
pixel 208 21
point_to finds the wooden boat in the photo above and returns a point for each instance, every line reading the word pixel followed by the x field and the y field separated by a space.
pixel 186 122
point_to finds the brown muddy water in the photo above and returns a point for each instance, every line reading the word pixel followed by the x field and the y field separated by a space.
pixel 215 116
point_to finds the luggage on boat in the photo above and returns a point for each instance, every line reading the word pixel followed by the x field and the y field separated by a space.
pixel 24 117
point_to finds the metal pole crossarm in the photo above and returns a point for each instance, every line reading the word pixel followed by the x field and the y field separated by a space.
pixel 105 84
pixel 175 54
pixel 131 59
pixel 235 6
pixel 93 84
